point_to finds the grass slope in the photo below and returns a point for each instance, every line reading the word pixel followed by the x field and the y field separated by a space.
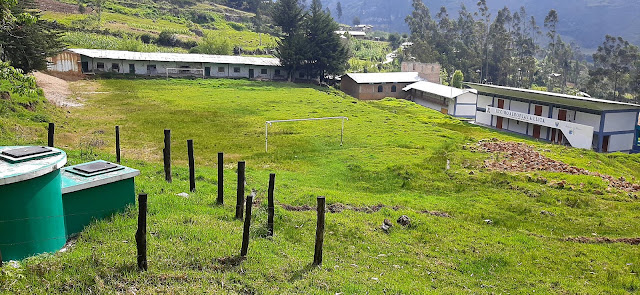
pixel 394 154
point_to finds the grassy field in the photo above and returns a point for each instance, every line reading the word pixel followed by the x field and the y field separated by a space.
pixel 394 154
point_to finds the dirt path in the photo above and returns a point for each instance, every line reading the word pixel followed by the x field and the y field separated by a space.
pixel 56 90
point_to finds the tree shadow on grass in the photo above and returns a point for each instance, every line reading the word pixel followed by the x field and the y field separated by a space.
pixel 298 274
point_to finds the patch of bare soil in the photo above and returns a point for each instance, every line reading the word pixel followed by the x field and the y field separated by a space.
pixel 520 157
pixel 437 213
pixel 56 90
pixel 52 5
pixel 337 208
pixel 604 240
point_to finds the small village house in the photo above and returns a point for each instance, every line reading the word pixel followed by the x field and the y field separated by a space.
pixel 456 102
pixel 374 86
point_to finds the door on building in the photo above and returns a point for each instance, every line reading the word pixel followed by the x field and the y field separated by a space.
pixel 499 120
pixel 132 68
pixel 207 71
pixel 251 74
pixel 536 128
pixel 85 66
pixel 605 144
pixel 562 116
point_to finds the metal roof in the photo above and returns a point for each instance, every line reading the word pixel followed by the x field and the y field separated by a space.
pixel 177 57
pixel 555 98
pixel 352 33
pixel 396 77
pixel 438 89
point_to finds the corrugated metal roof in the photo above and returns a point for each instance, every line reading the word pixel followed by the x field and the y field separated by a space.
pixel 438 89
pixel 177 57
pixel 557 98
pixel 396 77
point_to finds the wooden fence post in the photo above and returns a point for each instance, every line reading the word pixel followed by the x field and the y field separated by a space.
pixel 270 205
pixel 118 144
pixel 51 131
pixel 240 192
pixel 141 234
pixel 317 257
pixel 220 200
pixel 192 168
pixel 247 226
pixel 167 155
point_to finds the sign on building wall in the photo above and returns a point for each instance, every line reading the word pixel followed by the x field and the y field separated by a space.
pixel 578 135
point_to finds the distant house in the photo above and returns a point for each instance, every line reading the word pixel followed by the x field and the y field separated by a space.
pixel 92 61
pixel 353 34
pixel 373 86
pixel 427 71
pixel 447 100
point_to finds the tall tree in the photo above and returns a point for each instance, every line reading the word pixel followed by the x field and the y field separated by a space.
pixel 483 25
pixel 422 28
pixel 292 47
pixel 27 45
pixel 613 60
pixel 339 10
pixel 327 54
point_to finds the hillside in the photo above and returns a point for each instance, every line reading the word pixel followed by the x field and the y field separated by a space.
pixel 137 25
pixel 585 21
pixel 479 223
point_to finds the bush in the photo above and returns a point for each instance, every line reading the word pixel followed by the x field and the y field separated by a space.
pixel 167 38
pixel 146 38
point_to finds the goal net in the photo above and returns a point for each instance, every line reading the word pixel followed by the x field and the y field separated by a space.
pixel 185 72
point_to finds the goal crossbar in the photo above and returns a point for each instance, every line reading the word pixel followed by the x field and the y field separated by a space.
pixel 268 123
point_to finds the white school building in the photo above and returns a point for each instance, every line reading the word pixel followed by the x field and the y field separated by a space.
pixel 92 61
pixel 582 122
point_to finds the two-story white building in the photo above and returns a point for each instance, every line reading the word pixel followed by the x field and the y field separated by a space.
pixel 583 122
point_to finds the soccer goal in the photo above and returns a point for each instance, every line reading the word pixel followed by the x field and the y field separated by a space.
pixel 185 72
pixel 268 123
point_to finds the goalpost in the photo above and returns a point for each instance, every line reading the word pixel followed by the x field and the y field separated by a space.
pixel 185 72
pixel 268 123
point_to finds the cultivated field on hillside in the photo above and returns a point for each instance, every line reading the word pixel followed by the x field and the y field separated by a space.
pixel 472 229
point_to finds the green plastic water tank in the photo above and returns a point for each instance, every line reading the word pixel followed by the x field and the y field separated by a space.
pixel 31 215
pixel 95 190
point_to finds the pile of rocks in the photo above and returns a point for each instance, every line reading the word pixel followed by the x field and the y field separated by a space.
pixel 520 157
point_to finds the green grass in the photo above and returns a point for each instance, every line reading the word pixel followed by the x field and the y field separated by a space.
pixel 394 154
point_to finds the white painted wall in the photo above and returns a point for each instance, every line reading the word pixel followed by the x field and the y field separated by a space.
pixel 468 98
pixel 465 110
pixel 620 121
pixel 592 120
pixel 482 117
pixel 621 142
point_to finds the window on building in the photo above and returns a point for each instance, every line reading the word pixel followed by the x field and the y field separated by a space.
pixel 236 69
pixel 220 69
pixel 151 69
pixel 380 88
pixel 394 88
pixel 115 67
pixel 132 68
pixel 263 71
pixel 100 66
pixel 433 69
pixel 277 72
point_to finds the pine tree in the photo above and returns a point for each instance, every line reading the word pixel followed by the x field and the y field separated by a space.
pixel 339 10
pixel 328 55
pixel 292 48
pixel 27 45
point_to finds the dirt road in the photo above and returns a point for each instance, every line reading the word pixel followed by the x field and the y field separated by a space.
pixel 56 90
